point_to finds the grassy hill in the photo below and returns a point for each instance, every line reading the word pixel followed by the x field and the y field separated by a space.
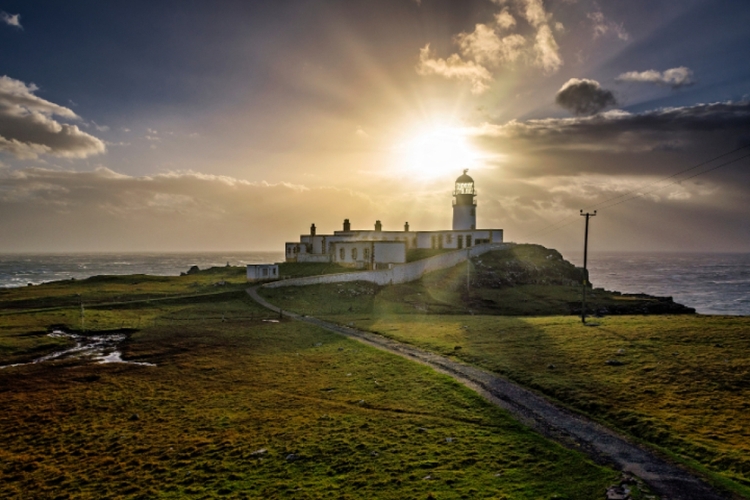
pixel 680 383
pixel 241 405
pixel 522 280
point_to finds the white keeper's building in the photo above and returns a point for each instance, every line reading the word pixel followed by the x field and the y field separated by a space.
pixel 378 249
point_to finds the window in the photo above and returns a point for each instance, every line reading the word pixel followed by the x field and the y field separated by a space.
pixel 460 241
pixel 473 212
pixel 468 240
pixel 366 254
pixel 342 254
pixel 265 271
pixel 448 239
pixel 354 254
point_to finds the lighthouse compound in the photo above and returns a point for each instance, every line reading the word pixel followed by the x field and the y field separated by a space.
pixel 380 249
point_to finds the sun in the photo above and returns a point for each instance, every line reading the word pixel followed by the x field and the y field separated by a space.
pixel 438 151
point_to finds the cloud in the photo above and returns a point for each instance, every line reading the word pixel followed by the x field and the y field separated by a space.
pixel 100 128
pixel 176 211
pixel 485 47
pixel 602 26
pixel 584 97
pixel 360 132
pixel 547 51
pixel 11 19
pixel 454 67
pixel 28 129
pixel 674 77
pixel 700 127
pixel 490 47
pixel 533 11
pixel 504 20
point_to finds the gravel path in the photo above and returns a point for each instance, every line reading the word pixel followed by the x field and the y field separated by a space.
pixel 574 431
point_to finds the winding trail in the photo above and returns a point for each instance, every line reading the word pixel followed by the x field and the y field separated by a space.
pixel 574 431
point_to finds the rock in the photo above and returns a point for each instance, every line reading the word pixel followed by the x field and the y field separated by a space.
pixel 613 362
pixel 448 440
pixel 620 352
pixel 319 344
pixel 134 417
pixel 421 429
pixel 292 457
pixel 618 493
pixel 551 366
pixel 258 453
pixel 374 453
pixel 193 270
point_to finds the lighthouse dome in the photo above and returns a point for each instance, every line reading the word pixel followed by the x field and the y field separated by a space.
pixel 464 178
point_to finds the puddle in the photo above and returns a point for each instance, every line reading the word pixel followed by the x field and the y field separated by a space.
pixel 96 348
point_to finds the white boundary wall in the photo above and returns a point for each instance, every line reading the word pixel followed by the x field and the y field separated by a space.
pixel 400 273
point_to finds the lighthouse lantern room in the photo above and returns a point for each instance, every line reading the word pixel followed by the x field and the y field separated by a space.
pixel 464 204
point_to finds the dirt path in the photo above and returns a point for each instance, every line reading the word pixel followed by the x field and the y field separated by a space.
pixel 574 431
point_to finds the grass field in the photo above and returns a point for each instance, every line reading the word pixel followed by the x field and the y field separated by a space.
pixel 681 383
pixel 242 407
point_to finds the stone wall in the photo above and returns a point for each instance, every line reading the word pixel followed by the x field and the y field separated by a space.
pixel 400 273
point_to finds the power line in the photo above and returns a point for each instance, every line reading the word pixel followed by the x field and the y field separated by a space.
pixel 679 180
pixel 544 230
pixel 674 175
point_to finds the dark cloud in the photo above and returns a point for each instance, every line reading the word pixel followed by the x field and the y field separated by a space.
pixel 28 129
pixel 619 131
pixel 584 97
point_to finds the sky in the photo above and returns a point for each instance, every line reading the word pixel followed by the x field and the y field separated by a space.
pixel 234 125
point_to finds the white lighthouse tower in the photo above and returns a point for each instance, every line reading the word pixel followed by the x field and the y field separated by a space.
pixel 464 204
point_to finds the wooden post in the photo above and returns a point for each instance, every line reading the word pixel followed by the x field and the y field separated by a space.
pixel 585 258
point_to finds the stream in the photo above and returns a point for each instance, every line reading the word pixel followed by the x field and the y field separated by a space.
pixel 96 348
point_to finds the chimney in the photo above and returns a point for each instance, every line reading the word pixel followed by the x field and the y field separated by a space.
pixel 406 227
pixel 312 229
pixel 378 226
pixel 347 226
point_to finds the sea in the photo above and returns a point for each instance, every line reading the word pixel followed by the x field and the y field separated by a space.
pixel 712 283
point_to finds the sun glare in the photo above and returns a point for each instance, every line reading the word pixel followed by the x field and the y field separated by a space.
pixel 439 151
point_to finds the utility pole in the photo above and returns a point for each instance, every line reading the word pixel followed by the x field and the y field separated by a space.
pixel 585 259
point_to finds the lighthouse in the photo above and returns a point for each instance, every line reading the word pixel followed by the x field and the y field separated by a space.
pixel 383 248
pixel 464 204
